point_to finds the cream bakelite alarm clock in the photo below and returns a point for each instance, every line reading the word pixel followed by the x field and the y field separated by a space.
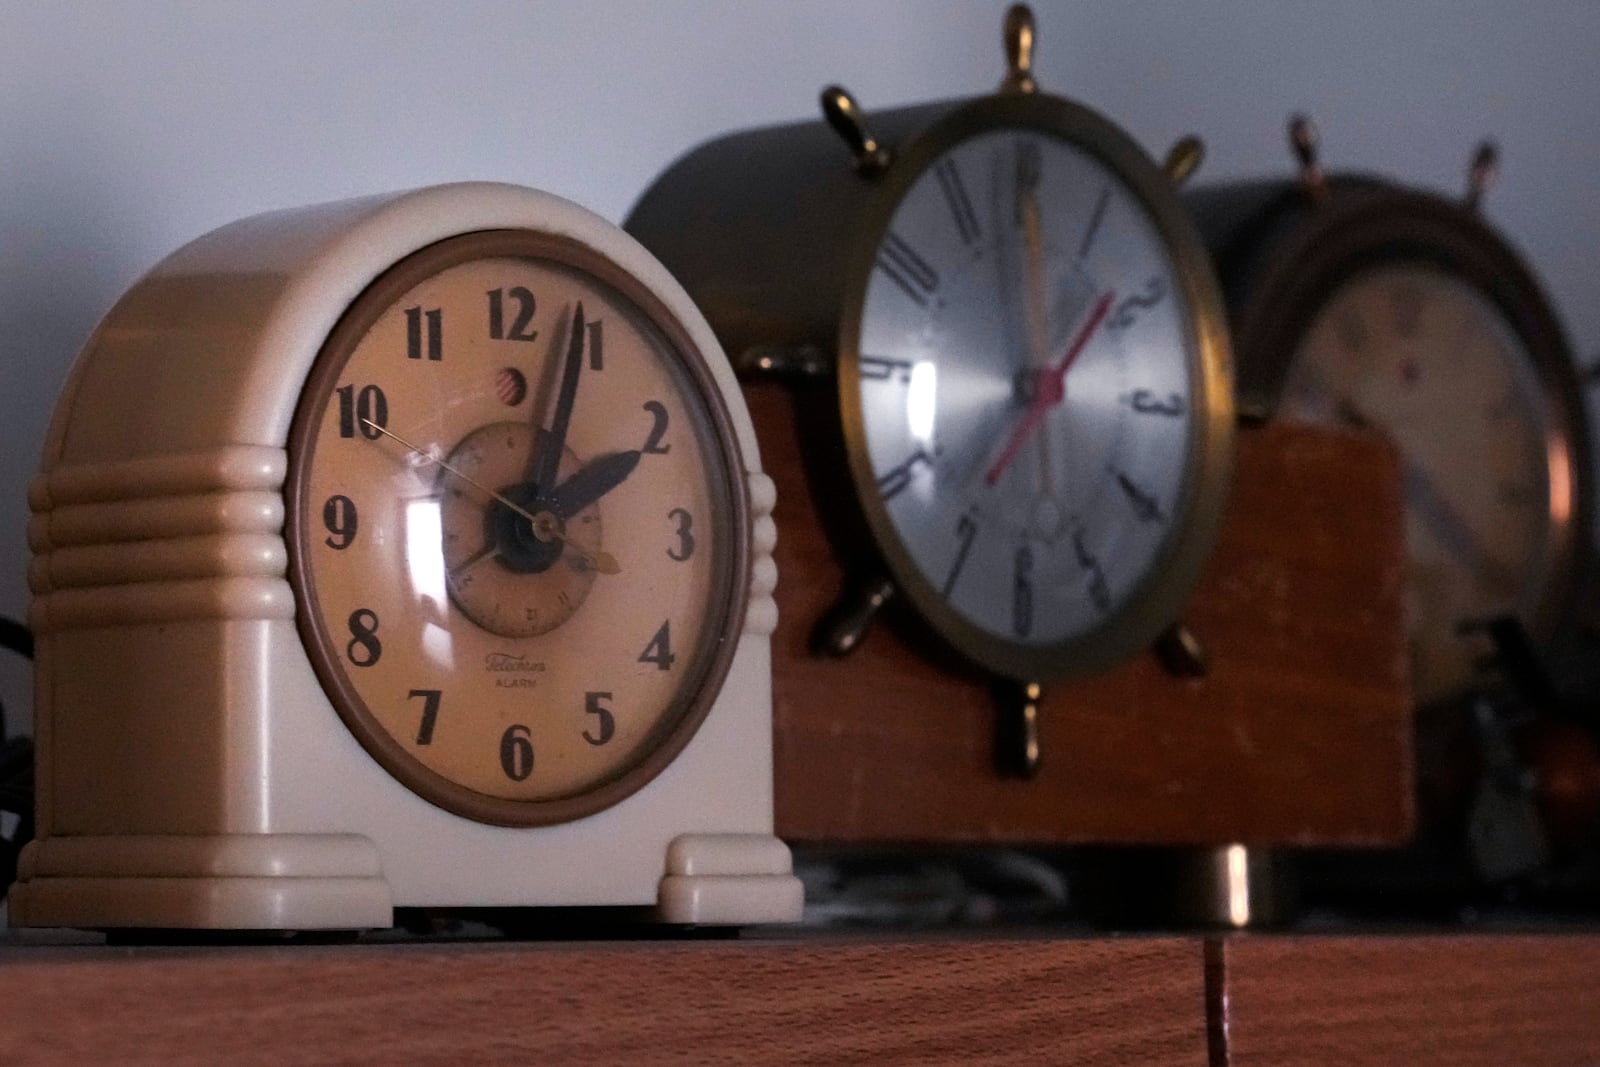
pixel 405 551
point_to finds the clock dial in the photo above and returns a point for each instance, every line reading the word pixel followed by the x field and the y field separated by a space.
pixel 1423 356
pixel 1025 372
pixel 516 520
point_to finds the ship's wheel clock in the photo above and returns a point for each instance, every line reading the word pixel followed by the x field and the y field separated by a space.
pixel 1362 303
pixel 1031 402
pixel 407 551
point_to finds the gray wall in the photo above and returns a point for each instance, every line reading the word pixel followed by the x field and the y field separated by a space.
pixel 129 127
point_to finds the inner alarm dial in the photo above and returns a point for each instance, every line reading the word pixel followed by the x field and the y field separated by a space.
pixel 493 554
pixel 515 524
pixel 1025 383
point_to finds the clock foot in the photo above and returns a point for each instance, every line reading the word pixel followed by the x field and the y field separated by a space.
pixel 842 629
pixel 1181 652
pixel 1016 749
pixel 224 882
pixel 729 880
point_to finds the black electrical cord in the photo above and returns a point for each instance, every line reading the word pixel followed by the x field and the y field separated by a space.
pixel 16 768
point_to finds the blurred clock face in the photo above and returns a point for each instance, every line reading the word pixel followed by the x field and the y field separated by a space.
pixel 1415 352
pixel 1025 382
pixel 516 527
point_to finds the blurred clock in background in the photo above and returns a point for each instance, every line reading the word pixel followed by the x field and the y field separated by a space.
pixel 1360 303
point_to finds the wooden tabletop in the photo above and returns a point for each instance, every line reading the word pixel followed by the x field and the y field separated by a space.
pixel 1102 1001
pixel 1436 1001
pixel 1244 1001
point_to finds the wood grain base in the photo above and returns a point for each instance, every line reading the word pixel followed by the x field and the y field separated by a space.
pixel 1480 1001
pixel 1300 735
pixel 1101 1002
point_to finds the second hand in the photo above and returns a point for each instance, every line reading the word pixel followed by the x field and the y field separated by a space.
pixel 1052 390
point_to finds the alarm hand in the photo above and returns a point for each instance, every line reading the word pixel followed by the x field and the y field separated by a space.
pixel 458 472
pixel 1052 389
pixel 591 483
pixel 549 444
pixel 546 527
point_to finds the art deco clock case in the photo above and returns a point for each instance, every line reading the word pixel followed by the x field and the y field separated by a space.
pixel 404 551
pixel 1362 303
pixel 1024 420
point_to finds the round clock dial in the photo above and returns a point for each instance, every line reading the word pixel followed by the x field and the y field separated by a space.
pixel 1031 393
pixel 1417 352
pixel 518 528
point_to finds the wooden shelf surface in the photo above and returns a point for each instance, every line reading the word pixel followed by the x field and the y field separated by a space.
pixel 1103 1001
pixel 1283 1001
pixel 1441 1001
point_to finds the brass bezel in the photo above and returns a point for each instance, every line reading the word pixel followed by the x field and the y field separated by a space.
pixel 1158 599
pixel 727 597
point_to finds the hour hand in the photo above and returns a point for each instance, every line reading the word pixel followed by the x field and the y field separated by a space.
pixel 591 483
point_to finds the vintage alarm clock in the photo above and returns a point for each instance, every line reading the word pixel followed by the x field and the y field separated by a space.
pixel 1359 302
pixel 409 551
pixel 1030 399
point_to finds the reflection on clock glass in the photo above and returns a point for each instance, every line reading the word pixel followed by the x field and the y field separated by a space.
pixel 1415 352
pixel 1025 380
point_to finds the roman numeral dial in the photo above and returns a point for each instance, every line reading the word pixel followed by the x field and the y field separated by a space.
pixel 1023 375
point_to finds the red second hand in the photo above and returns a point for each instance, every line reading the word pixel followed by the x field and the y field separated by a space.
pixel 1052 390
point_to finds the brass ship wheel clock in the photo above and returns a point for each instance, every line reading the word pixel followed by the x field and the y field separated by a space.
pixel 1032 400
pixel 1361 303
pixel 410 551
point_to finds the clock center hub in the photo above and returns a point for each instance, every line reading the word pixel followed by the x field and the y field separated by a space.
pixel 518 565
pixel 524 546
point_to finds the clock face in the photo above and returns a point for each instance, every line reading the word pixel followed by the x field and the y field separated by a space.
pixel 518 523
pixel 1421 355
pixel 1025 374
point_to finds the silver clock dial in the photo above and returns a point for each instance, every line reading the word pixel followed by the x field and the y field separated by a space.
pixel 1026 371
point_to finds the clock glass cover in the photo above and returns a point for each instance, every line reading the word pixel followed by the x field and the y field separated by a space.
pixel 518 528
pixel 1425 357
pixel 1023 384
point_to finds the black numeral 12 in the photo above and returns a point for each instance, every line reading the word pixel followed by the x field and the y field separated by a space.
pixel 520 323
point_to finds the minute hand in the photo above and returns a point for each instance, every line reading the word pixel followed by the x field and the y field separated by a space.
pixel 551 443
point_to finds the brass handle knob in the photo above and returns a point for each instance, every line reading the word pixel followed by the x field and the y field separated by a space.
pixel 844 115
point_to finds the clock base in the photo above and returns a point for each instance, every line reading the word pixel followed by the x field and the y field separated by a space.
pixel 336 882
pixel 220 882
